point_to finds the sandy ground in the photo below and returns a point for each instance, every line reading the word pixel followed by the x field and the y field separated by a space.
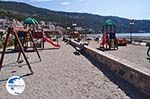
pixel 64 75
pixel 133 53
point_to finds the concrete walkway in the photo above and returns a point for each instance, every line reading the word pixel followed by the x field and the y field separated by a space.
pixel 64 75
pixel 135 54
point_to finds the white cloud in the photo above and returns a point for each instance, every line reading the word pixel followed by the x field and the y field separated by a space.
pixel 65 3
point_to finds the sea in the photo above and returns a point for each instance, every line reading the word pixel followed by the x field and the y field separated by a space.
pixel 125 35
pixel 133 34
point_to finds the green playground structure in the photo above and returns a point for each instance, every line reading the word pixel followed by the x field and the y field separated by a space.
pixel 109 39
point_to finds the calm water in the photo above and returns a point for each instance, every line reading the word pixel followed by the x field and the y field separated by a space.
pixel 146 35
pixel 134 34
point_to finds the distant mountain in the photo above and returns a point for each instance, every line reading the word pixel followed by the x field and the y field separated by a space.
pixel 22 10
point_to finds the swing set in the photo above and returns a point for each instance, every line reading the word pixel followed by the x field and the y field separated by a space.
pixel 20 44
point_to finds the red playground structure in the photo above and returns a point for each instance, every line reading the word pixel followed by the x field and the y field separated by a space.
pixel 51 42
pixel 109 39
pixel 38 34
pixel 41 37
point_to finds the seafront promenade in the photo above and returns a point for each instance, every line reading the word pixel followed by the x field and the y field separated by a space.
pixel 135 54
pixel 64 75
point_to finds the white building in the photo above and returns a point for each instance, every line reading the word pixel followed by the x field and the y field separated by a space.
pixel 42 23
pixel 4 23
pixel 52 27
pixel 78 28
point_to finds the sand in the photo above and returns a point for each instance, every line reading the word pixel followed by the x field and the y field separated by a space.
pixel 63 75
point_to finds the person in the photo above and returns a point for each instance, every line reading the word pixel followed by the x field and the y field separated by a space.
pixel 148 51
pixel 113 40
pixel 104 39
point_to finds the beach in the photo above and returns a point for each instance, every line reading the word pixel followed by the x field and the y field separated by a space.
pixel 63 75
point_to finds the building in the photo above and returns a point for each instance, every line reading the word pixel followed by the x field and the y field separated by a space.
pixel 4 23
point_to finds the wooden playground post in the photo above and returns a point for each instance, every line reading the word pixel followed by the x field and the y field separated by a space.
pixel 4 49
pixel 34 46
pixel 10 30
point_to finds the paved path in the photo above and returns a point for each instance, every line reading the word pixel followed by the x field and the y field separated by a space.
pixel 62 75
pixel 134 54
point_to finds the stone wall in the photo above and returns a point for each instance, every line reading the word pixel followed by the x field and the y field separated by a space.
pixel 123 68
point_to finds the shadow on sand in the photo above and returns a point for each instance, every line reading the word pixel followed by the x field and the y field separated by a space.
pixel 16 64
pixel 130 91
pixel 22 76
pixel 49 49
pixel 9 51
pixel 76 53
pixel 12 51
pixel 19 66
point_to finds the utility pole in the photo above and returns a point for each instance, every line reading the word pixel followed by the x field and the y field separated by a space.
pixel 131 30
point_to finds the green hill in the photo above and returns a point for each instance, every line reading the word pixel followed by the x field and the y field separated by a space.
pixel 21 11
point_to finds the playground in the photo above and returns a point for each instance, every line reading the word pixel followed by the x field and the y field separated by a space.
pixel 61 74
pixel 27 37
pixel 52 69
pixel 136 54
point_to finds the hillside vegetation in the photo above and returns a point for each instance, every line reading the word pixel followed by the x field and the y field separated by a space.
pixel 21 11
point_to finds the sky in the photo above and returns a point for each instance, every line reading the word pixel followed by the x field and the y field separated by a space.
pixel 132 9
